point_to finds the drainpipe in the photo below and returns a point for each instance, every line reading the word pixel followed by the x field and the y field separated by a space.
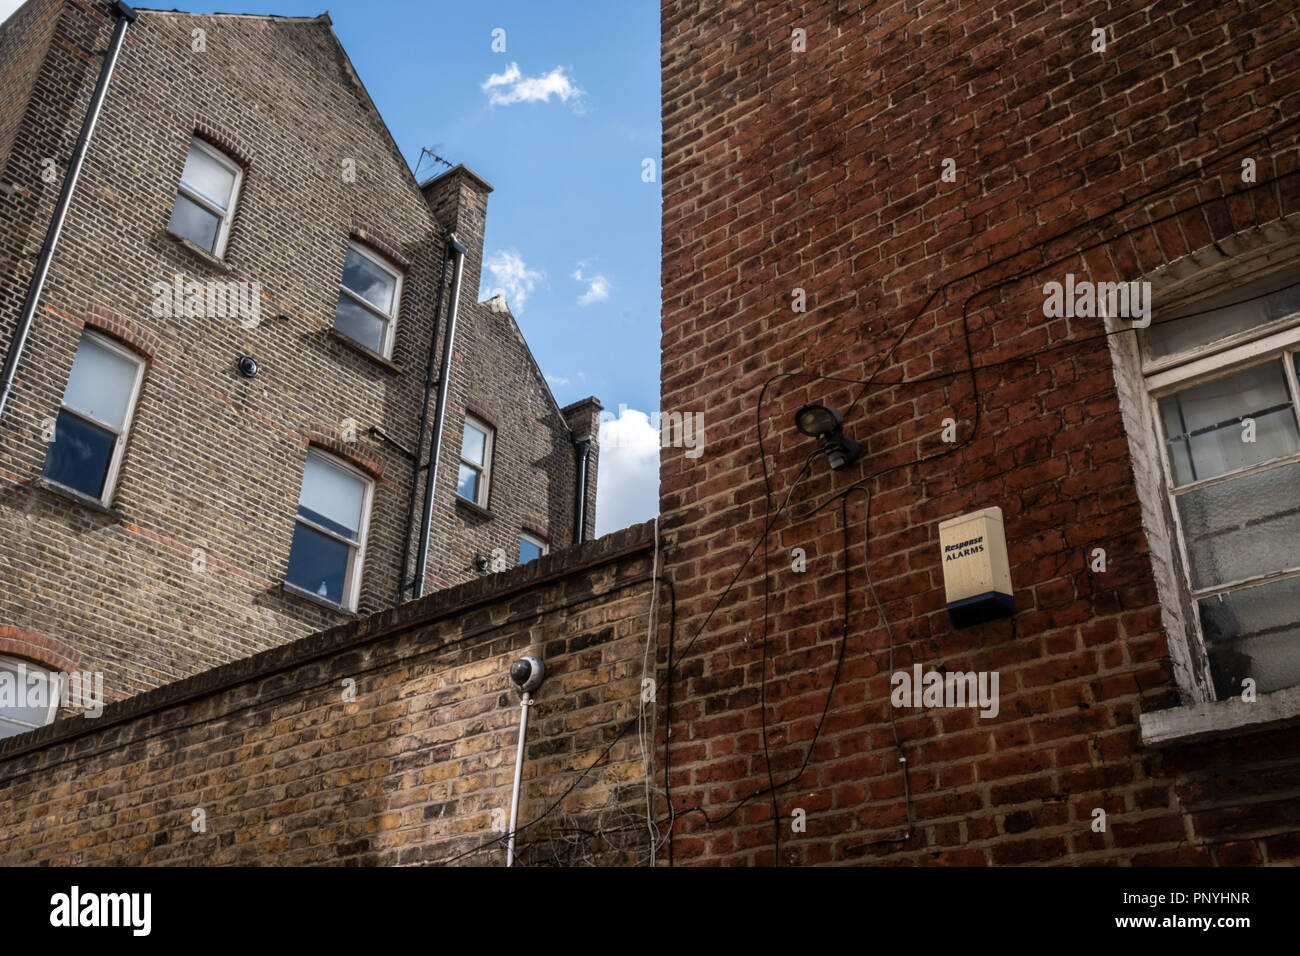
pixel 403 584
pixel 439 415
pixel 527 673
pixel 125 17
pixel 583 445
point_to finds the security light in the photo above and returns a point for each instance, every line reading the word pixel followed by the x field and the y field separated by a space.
pixel 818 421
pixel 527 673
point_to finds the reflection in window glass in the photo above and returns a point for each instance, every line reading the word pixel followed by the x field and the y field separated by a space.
pixel 368 301
pixel 1205 424
pixel 324 556
pixel 1256 304
pixel 475 462
pixel 28 696
pixel 92 422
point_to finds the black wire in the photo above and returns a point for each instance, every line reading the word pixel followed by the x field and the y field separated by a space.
pixel 774 787
pixel 884 619
pixel 668 718
pixel 972 369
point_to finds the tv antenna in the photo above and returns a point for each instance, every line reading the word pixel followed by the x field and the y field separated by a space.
pixel 426 151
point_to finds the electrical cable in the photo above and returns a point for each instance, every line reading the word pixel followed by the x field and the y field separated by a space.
pixel 971 369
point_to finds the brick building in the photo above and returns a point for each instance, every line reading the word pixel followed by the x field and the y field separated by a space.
pixel 866 207
pixel 876 209
pixel 209 445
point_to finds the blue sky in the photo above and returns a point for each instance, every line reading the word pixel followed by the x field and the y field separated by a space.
pixel 560 123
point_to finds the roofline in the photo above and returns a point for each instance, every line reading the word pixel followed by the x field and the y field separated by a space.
pixel 532 359
pixel 461 168
pixel 326 21
pixel 244 16
pixel 330 642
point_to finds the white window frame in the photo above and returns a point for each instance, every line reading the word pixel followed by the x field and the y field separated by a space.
pixel 357 549
pixel 55 689
pixel 119 445
pixel 485 470
pixel 1274 341
pixel 390 318
pixel 227 216
pixel 539 542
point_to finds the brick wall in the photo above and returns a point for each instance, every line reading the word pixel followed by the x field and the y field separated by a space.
pixel 416 767
pixel 214 461
pixel 24 41
pixel 821 171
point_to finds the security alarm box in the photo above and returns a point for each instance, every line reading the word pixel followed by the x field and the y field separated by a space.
pixel 976 574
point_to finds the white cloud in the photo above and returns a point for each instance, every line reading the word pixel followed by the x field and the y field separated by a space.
pixel 513 278
pixel 513 87
pixel 7 7
pixel 627 482
pixel 557 381
pixel 597 286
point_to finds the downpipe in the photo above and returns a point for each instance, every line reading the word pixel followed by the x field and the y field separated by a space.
pixel 439 416
pixel 125 17
pixel 580 503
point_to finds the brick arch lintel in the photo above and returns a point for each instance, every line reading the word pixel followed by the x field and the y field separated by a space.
pixel 224 140
pixel 368 235
pixel 47 651
pixel 350 451
pixel 126 331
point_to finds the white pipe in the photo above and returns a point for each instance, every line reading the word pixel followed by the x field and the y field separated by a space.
pixel 519 776
pixel 125 17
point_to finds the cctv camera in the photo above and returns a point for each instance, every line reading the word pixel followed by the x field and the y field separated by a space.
pixel 527 673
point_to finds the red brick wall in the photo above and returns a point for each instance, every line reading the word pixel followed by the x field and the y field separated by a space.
pixel 820 170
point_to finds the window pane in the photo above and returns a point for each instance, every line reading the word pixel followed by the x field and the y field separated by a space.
pixel 207 177
pixel 318 563
pixel 79 456
pixel 467 483
pixel 1203 424
pixel 195 223
pixel 1274 297
pixel 360 324
pixel 29 689
pixel 1254 633
pixel 528 551
pixel 473 444
pixel 1243 527
pixel 101 383
pixel 331 497
pixel 369 281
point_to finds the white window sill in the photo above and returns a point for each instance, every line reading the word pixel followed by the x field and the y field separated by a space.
pixel 303 594
pixel 1220 718
pixel 71 494
pixel 204 255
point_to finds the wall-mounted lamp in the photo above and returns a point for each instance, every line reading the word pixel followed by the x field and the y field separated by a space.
pixel 818 421
pixel 248 366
